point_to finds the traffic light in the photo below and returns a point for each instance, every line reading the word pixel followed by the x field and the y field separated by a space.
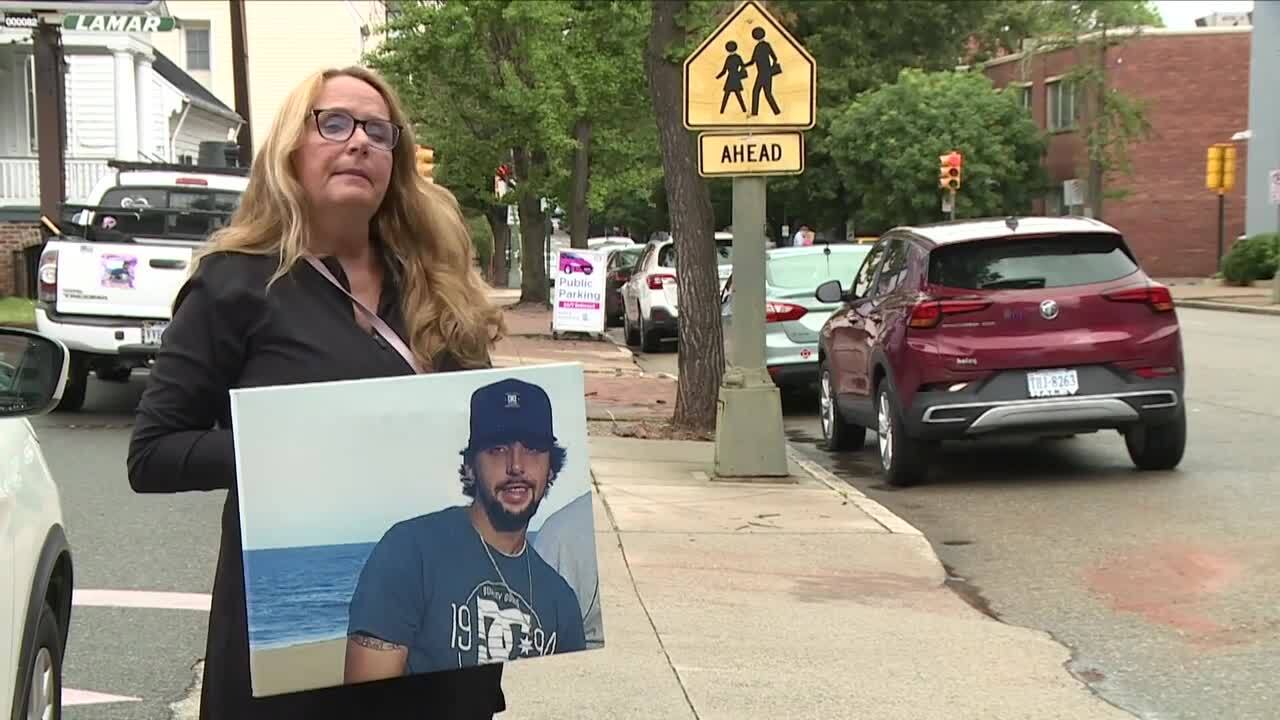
pixel 426 162
pixel 949 167
pixel 1213 168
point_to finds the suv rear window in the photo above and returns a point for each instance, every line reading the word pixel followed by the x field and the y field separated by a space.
pixel 208 210
pixel 724 254
pixel 1032 263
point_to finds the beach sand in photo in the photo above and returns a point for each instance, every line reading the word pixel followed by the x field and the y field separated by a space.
pixel 299 667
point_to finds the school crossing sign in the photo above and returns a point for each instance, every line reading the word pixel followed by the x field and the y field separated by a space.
pixel 752 77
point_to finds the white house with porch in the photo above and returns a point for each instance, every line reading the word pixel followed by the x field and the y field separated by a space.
pixel 124 100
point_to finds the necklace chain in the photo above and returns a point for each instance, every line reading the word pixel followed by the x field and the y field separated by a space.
pixel 528 564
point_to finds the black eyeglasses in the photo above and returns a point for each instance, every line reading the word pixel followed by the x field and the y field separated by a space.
pixel 339 126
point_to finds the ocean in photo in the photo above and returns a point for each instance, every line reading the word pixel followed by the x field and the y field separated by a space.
pixel 300 595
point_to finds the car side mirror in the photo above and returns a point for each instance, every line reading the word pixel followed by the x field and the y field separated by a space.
pixel 33 372
pixel 830 292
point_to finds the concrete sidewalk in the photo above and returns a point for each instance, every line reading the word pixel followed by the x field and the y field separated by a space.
pixel 616 387
pixel 1213 295
pixel 740 601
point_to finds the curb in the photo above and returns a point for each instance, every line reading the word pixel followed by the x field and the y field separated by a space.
pixel 878 512
pixel 1228 307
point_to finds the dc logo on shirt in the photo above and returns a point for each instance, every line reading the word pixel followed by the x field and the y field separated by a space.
pixel 497 625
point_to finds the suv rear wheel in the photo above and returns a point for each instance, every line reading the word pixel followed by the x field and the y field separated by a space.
pixel 838 434
pixel 628 330
pixel 903 460
pixel 1158 447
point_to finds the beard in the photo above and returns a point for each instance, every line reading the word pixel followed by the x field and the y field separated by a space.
pixel 502 519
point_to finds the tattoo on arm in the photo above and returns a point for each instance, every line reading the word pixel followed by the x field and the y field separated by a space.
pixel 374 643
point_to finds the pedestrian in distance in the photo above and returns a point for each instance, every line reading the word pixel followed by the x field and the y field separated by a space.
pixel 340 263
pixel 461 586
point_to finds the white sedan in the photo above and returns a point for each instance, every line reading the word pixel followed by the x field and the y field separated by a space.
pixel 35 557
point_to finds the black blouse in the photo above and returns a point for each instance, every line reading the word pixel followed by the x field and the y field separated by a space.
pixel 230 331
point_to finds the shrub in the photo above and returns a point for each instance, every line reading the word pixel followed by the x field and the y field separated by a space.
pixel 1253 258
pixel 481 238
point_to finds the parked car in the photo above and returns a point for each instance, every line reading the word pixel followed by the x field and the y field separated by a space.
pixel 570 263
pixel 622 260
pixel 106 289
pixel 793 316
pixel 1041 326
pixel 35 609
pixel 649 299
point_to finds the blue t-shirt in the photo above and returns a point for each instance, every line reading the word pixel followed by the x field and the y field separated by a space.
pixel 429 585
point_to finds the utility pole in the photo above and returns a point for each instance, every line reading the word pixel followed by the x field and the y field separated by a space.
pixel 240 74
pixel 51 125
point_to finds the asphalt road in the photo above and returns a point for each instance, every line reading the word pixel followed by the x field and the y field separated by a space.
pixel 1164 585
pixel 125 541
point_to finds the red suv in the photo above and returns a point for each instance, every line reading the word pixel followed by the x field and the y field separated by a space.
pixel 1029 326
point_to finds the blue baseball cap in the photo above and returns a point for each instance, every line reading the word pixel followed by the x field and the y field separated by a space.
pixel 511 410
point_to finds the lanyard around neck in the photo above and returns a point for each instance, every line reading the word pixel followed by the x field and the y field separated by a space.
pixel 378 323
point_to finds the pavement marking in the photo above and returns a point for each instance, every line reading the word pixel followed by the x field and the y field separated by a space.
pixel 71 696
pixel 878 512
pixel 141 599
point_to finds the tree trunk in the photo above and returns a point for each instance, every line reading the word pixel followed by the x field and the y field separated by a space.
pixel 533 237
pixel 579 214
pixel 497 270
pixel 701 360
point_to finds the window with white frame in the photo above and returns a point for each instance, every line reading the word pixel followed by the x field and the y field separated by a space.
pixel 1024 96
pixel 1060 96
pixel 196 42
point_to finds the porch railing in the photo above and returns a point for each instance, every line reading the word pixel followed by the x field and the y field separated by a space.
pixel 20 179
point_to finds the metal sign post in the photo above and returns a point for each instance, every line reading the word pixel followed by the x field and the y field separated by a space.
pixel 751 81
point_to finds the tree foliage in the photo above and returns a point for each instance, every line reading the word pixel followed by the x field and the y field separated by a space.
pixel 885 147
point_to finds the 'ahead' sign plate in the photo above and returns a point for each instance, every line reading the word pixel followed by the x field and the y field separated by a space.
pixel 729 154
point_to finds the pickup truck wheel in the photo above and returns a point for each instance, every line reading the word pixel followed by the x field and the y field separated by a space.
pixel 77 382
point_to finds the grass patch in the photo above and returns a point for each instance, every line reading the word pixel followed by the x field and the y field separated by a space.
pixel 17 311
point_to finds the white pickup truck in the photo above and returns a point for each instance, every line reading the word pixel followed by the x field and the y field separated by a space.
pixel 107 284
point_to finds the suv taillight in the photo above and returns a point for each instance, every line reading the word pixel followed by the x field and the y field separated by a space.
pixel 47 278
pixel 656 282
pixel 929 313
pixel 782 312
pixel 1157 297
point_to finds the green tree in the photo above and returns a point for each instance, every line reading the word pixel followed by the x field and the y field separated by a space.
pixel 701 341
pixel 860 46
pixel 614 137
pixel 885 146
pixel 474 76
pixel 1110 121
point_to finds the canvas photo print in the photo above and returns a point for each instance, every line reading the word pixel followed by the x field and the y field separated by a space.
pixel 415 524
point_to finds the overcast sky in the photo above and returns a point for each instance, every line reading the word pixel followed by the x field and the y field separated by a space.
pixel 1182 14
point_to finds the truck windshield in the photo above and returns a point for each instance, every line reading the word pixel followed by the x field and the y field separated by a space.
pixel 162 213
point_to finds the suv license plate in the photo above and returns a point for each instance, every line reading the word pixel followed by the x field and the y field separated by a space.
pixel 151 333
pixel 1052 383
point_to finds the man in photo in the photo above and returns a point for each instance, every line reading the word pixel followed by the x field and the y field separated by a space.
pixel 461 587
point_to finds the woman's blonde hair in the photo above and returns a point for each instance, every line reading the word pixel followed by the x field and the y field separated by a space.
pixel 420 226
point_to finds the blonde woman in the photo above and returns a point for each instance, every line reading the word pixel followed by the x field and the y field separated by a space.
pixel 340 263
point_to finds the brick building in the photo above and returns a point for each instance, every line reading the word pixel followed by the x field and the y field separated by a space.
pixel 1196 87
pixel 18 230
